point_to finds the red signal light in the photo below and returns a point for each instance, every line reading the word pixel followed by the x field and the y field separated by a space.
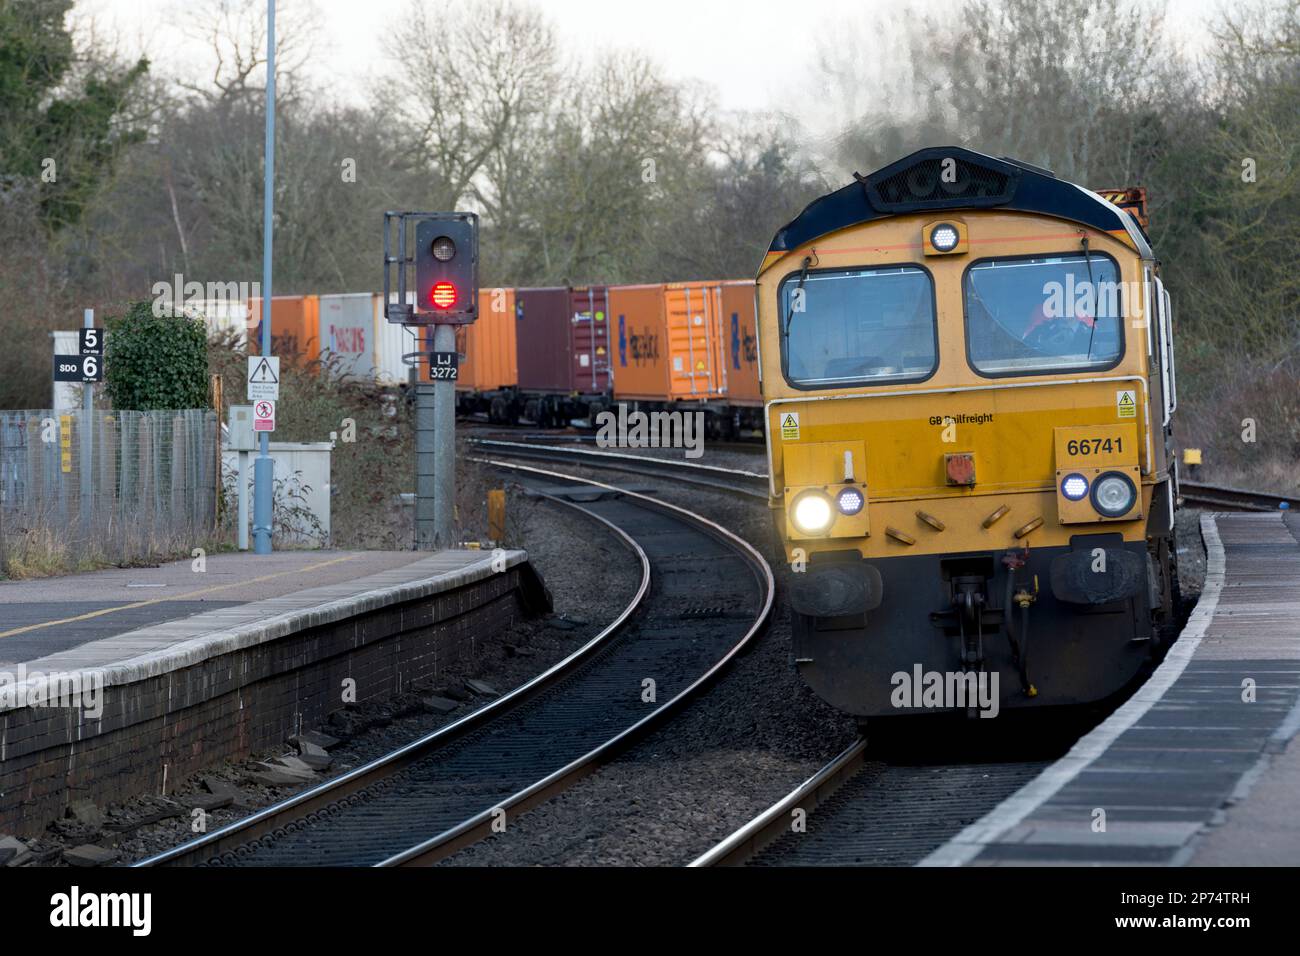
pixel 443 295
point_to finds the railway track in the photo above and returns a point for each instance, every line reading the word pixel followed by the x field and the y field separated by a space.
pixel 749 483
pixel 704 594
pixel 861 811
pixel 1220 498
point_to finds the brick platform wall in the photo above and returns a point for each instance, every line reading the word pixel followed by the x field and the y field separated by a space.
pixel 155 732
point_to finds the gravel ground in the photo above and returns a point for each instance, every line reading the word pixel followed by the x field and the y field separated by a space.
pixel 1191 553
pixel 583 605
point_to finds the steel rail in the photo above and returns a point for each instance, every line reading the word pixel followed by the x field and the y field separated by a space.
pixel 748 483
pixel 770 825
pixel 1223 498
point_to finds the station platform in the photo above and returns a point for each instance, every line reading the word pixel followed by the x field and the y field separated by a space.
pixel 45 616
pixel 115 682
pixel 1201 766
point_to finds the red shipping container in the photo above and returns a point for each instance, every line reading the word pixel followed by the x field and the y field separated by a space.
pixel 542 340
pixel 589 340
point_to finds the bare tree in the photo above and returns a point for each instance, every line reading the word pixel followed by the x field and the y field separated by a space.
pixel 235 33
pixel 472 85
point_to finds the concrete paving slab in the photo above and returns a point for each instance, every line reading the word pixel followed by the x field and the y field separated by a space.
pixel 48 615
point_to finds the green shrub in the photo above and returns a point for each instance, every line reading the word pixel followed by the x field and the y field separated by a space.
pixel 153 362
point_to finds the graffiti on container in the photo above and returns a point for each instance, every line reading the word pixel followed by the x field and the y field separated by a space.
pixel 644 346
pixel 742 343
pixel 347 339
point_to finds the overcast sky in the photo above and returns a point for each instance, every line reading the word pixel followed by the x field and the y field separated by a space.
pixel 729 45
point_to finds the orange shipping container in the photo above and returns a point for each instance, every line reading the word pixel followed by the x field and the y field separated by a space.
pixel 741 352
pixel 640 371
pixel 486 346
pixel 670 342
pixel 295 328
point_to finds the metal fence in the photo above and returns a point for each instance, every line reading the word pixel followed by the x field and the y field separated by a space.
pixel 105 485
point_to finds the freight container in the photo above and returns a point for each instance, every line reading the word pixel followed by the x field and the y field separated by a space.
pixel 393 341
pixel 347 333
pixel 741 353
pixel 295 328
pixel 488 361
pixel 694 342
pixel 670 344
pixel 640 338
pixel 542 340
pixel 589 339
pixel 223 317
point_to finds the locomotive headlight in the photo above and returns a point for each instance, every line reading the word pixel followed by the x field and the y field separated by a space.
pixel 849 501
pixel 944 237
pixel 812 513
pixel 1113 494
pixel 1074 487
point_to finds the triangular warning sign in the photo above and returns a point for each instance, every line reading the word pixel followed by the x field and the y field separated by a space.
pixel 1125 399
pixel 788 421
pixel 263 374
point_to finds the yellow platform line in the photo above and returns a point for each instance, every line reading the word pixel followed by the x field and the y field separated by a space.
pixel 174 597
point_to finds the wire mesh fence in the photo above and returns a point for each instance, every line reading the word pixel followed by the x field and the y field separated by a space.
pixel 115 486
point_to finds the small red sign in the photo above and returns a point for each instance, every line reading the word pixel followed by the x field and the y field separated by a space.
pixel 264 416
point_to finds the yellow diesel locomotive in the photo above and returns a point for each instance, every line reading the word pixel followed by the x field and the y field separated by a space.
pixel 967 371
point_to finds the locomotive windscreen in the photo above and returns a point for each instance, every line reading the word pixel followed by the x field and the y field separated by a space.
pixel 1043 314
pixel 859 325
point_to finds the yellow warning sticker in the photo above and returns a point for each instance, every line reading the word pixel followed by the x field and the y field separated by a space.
pixel 1126 403
pixel 789 426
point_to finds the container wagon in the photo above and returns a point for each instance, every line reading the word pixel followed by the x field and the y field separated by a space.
pixel 295 328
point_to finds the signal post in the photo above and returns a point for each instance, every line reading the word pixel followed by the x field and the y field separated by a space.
pixel 444 259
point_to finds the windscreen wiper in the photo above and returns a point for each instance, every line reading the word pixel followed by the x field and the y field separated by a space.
pixel 1096 297
pixel 789 316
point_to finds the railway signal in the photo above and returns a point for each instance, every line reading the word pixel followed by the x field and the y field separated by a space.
pixel 444 258
pixel 441 249
pixel 446 268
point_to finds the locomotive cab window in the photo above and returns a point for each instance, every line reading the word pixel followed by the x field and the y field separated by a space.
pixel 1035 314
pixel 858 326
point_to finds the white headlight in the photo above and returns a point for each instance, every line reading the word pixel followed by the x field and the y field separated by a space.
pixel 1074 487
pixel 944 237
pixel 850 501
pixel 1113 494
pixel 812 513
